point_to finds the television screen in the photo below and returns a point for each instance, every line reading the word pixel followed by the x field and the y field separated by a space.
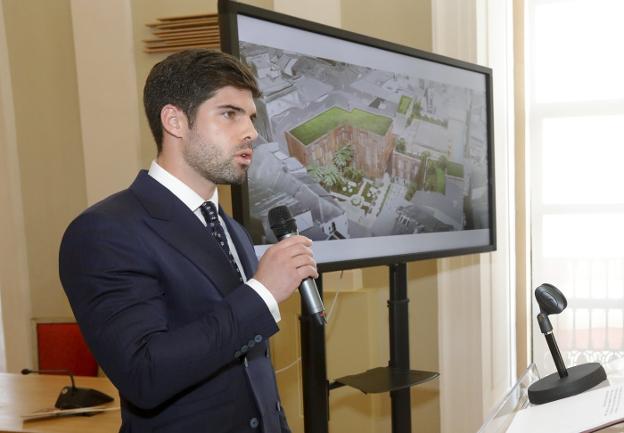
pixel 383 153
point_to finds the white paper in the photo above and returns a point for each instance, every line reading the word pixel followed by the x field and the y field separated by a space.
pixel 54 412
pixel 585 412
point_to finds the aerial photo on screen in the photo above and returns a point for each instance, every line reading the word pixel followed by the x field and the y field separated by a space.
pixel 359 152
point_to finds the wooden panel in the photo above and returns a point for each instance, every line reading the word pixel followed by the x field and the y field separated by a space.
pixel 173 34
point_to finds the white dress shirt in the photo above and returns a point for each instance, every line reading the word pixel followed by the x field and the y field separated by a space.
pixel 194 201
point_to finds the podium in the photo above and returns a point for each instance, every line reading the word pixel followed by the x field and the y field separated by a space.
pixel 517 399
pixel 396 377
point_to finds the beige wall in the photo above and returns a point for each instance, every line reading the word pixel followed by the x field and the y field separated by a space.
pixel 320 11
pixel 60 139
pixel 48 137
pixel 406 22
pixel 109 119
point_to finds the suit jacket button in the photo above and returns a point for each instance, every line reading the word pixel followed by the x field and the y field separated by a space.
pixel 237 354
pixel 258 338
pixel 244 349
pixel 251 343
pixel 253 423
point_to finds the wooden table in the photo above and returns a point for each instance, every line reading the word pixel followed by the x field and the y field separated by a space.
pixel 25 394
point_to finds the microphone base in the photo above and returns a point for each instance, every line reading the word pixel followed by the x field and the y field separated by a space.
pixel 75 398
pixel 553 387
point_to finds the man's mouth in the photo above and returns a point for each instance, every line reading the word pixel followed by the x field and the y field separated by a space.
pixel 244 156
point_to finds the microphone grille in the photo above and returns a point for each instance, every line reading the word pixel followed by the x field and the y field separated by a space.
pixel 281 221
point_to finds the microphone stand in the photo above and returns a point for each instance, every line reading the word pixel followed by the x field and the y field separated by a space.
pixel 72 397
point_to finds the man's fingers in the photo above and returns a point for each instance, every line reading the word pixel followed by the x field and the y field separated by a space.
pixel 307 271
pixel 303 260
pixel 285 264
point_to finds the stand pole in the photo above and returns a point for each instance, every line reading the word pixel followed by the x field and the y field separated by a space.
pixel 399 346
pixel 314 372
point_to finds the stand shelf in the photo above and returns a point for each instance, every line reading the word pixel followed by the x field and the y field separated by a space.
pixel 384 379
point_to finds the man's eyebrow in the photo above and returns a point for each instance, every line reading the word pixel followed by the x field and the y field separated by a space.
pixel 237 109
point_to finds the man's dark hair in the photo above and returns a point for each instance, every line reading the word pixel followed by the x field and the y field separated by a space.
pixel 188 78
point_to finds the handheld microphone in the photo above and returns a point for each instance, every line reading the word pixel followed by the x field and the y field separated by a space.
pixel 72 397
pixel 284 226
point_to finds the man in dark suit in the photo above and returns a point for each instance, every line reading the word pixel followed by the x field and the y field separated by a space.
pixel 165 286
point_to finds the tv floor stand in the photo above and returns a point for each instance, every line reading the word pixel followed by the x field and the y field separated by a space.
pixel 396 378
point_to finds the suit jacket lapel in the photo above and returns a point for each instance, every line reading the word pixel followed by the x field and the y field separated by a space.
pixel 180 228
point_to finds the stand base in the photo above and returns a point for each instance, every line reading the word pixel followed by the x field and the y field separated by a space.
pixel 74 398
pixel 580 378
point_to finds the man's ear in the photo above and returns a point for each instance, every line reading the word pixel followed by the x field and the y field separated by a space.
pixel 173 121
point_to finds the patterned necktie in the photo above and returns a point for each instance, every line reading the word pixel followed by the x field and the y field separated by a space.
pixel 209 211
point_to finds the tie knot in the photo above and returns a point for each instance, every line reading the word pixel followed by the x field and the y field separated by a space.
pixel 210 211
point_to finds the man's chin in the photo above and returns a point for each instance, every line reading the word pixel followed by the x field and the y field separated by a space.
pixel 231 176
pixel 237 181
pixel 231 180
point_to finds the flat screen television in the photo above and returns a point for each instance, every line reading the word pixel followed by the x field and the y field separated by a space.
pixel 383 153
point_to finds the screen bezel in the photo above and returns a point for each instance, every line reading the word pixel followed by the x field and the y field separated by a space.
pixel 228 12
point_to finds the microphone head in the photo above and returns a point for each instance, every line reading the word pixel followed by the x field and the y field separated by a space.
pixel 550 299
pixel 281 222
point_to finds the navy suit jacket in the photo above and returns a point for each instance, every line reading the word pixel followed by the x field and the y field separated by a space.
pixel 167 318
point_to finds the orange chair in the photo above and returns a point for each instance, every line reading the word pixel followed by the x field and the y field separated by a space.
pixel 60 346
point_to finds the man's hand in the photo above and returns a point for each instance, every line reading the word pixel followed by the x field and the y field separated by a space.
pixel 285 264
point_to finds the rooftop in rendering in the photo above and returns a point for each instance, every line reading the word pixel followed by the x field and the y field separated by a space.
pixel 329 119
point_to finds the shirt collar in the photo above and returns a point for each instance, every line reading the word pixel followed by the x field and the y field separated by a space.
pixel 181 190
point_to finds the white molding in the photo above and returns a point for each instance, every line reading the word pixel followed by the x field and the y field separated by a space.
pixel 454 28
pixel 475 293
pixel 459 334
pixel 499 55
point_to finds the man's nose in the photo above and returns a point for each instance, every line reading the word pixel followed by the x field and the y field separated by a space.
pixel 251 133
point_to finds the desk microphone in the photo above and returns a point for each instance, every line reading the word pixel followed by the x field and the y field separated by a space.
pixel 567 381
pixel 284 226
pixel 72 397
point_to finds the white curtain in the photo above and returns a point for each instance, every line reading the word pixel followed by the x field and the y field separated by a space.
pixel 575 112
